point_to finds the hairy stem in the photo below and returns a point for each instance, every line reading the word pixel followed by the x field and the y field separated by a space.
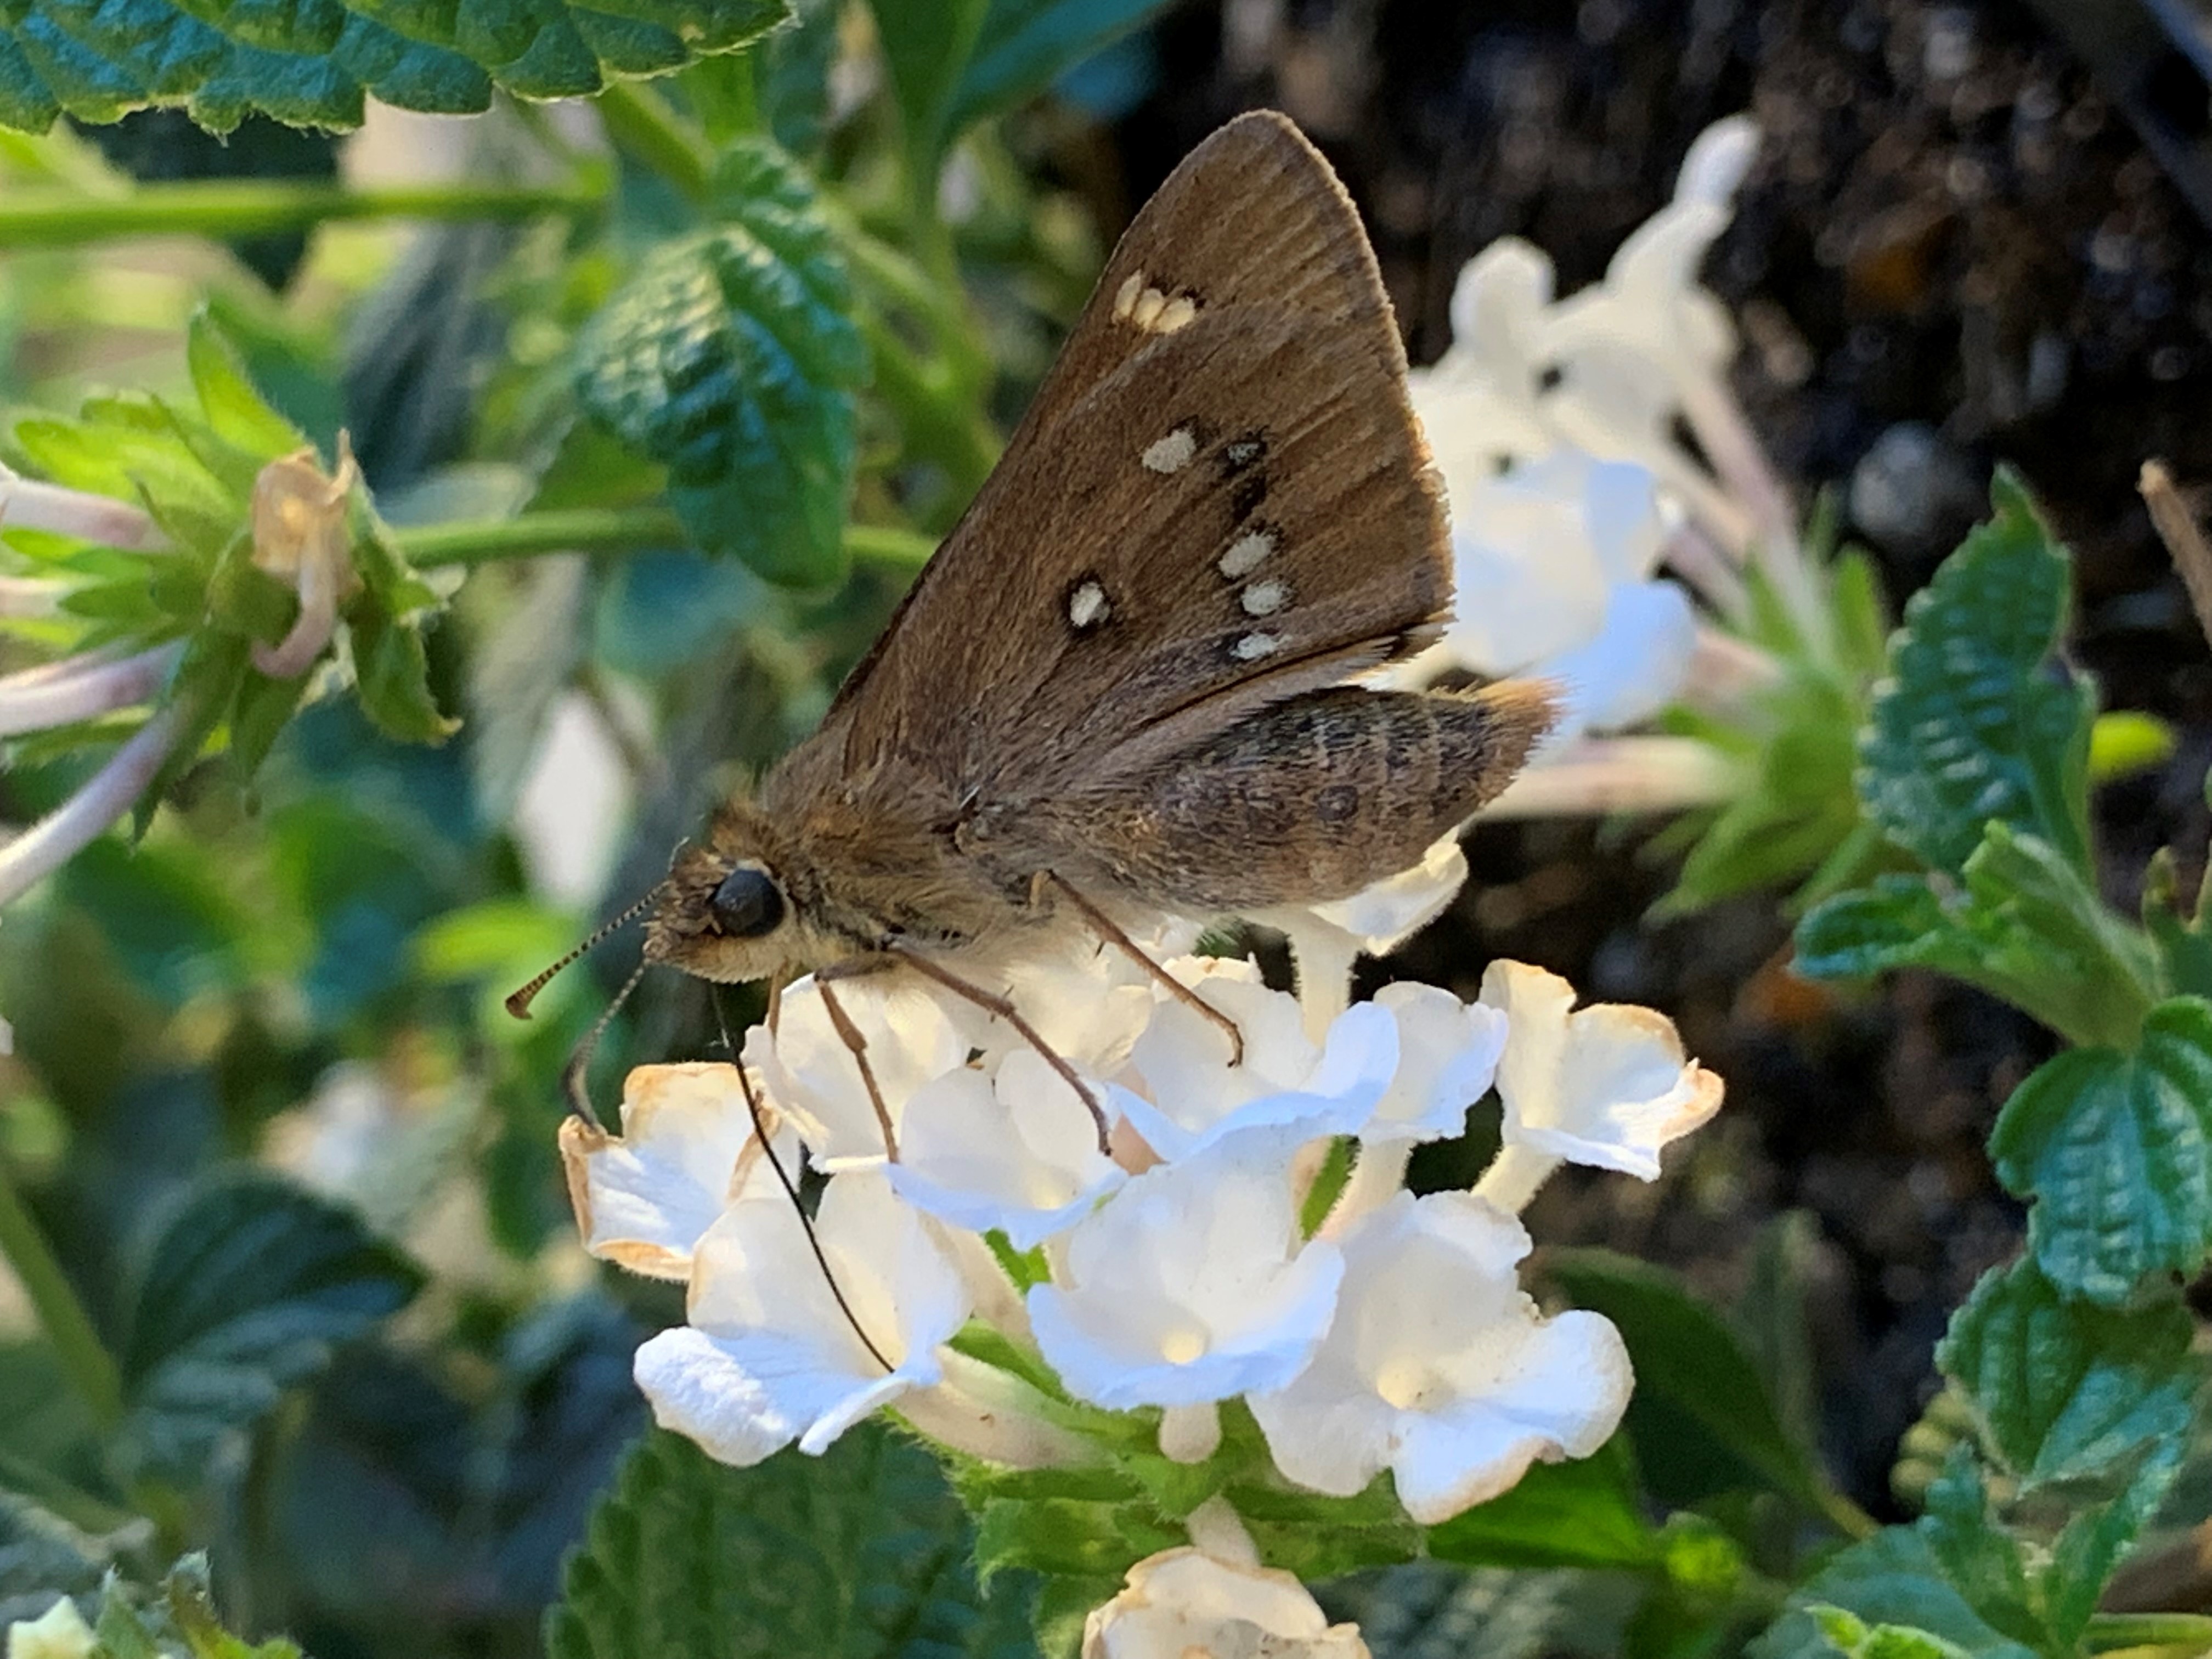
pixel 45 218
pixel 2110 1633
pixel 84 1360
pixel 642 125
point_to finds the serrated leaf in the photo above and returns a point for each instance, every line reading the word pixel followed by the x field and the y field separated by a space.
pixel 1025 45
pixel 2027 926
pixel 1583 1513
pixel 312 65
pixel 2116 1150
pixel 1702 1419
pixel 861 1552
pixel 2064 1390
pixel 392 672
pixel 730 357
pixel 233 406
pixel 1974 722
pixel 1850 1636
pixel 243 1293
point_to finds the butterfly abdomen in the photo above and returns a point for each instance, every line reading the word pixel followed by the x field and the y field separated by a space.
pixel 1308 800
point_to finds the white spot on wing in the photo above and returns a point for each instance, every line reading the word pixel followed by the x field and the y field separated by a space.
pixel 1240 452
pixel 1265 598
pixel 1253 647
pixel 1246 554
pixel 1171 453
pixel 1087 607
pixel 1125 297
pixel 1179 313
pixel 1150 309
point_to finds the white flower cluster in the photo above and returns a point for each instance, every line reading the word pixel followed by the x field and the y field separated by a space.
pixel 964 1181
pixel 1554 423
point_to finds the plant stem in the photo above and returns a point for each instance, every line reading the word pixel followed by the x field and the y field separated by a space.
pixel 641 122
pixel 616 530
pixel 251 207
pixel 2109 1632
pixel 61 1315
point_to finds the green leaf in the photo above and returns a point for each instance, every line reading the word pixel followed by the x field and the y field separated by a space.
pixel 1025 45
pixel 861 1552
pixel 1974 722
pixel 243 1294
pixel 2066 1391
pixel 2115 1148
pixel 2182 938
pixel 391 672
pixel 1895 1578
pixel 1584 1513
pixel 730 357
pixel 1702 1420
pixel 238 412
pixel 1850 1636
pixel 312 64
pixel 2027 926
pixel 925 47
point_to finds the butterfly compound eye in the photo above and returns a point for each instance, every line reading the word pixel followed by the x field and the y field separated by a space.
pixel 747 904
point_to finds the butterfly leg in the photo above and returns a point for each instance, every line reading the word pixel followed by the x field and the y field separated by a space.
pixel 856 1043
pixel 1103 925
pixel 1000 1008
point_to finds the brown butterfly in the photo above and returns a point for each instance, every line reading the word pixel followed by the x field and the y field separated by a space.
pixel 1117 693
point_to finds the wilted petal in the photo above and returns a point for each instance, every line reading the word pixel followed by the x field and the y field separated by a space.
pixel 1014 1149
pixel 302 534
pixel 769 1356
pixel 1439 1369
pixel 1192 1283
pixel 686 1153
pixel 1183 1602
pixel 1607 1086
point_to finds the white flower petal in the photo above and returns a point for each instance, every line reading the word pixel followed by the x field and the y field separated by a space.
pixel 1183 1602
pixel 1607 1086
pixel 686 1152
pixel 1384 914
pixel 59 1632
pixel 770 1355
pixel 1448 1053
pixel 815 1079
pixel 1192 1283
pixel 1192 1097
pixel 1634 666
pixel 1013 1150
pixel 1439 1368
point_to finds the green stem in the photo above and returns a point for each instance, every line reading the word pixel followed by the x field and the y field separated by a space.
pixel 61 1316
pixel 2109 1632
pixel 249 207
pixel 616 530
pixel 1846 1516
pixel 641 122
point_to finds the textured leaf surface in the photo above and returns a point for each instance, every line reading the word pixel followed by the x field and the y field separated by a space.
pixel 244 1293
pixel 862 1551
pixel 730 358
pixel 311 63
pixel 2116 1150
pixel 2028 926
pixel 2067 1390
pixel 1971 723
pixel 1893 1578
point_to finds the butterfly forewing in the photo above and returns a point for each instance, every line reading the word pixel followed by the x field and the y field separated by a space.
pixel 1219 497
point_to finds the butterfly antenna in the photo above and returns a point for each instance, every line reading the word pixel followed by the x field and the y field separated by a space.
pixel 572 1075
pixel 790 1187
pixel 518 1002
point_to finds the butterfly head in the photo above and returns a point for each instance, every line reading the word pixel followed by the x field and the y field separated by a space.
pixel 727 912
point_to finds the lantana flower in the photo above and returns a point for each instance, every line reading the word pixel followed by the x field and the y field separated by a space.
pixel 1184 1602
pixel 1439 1369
